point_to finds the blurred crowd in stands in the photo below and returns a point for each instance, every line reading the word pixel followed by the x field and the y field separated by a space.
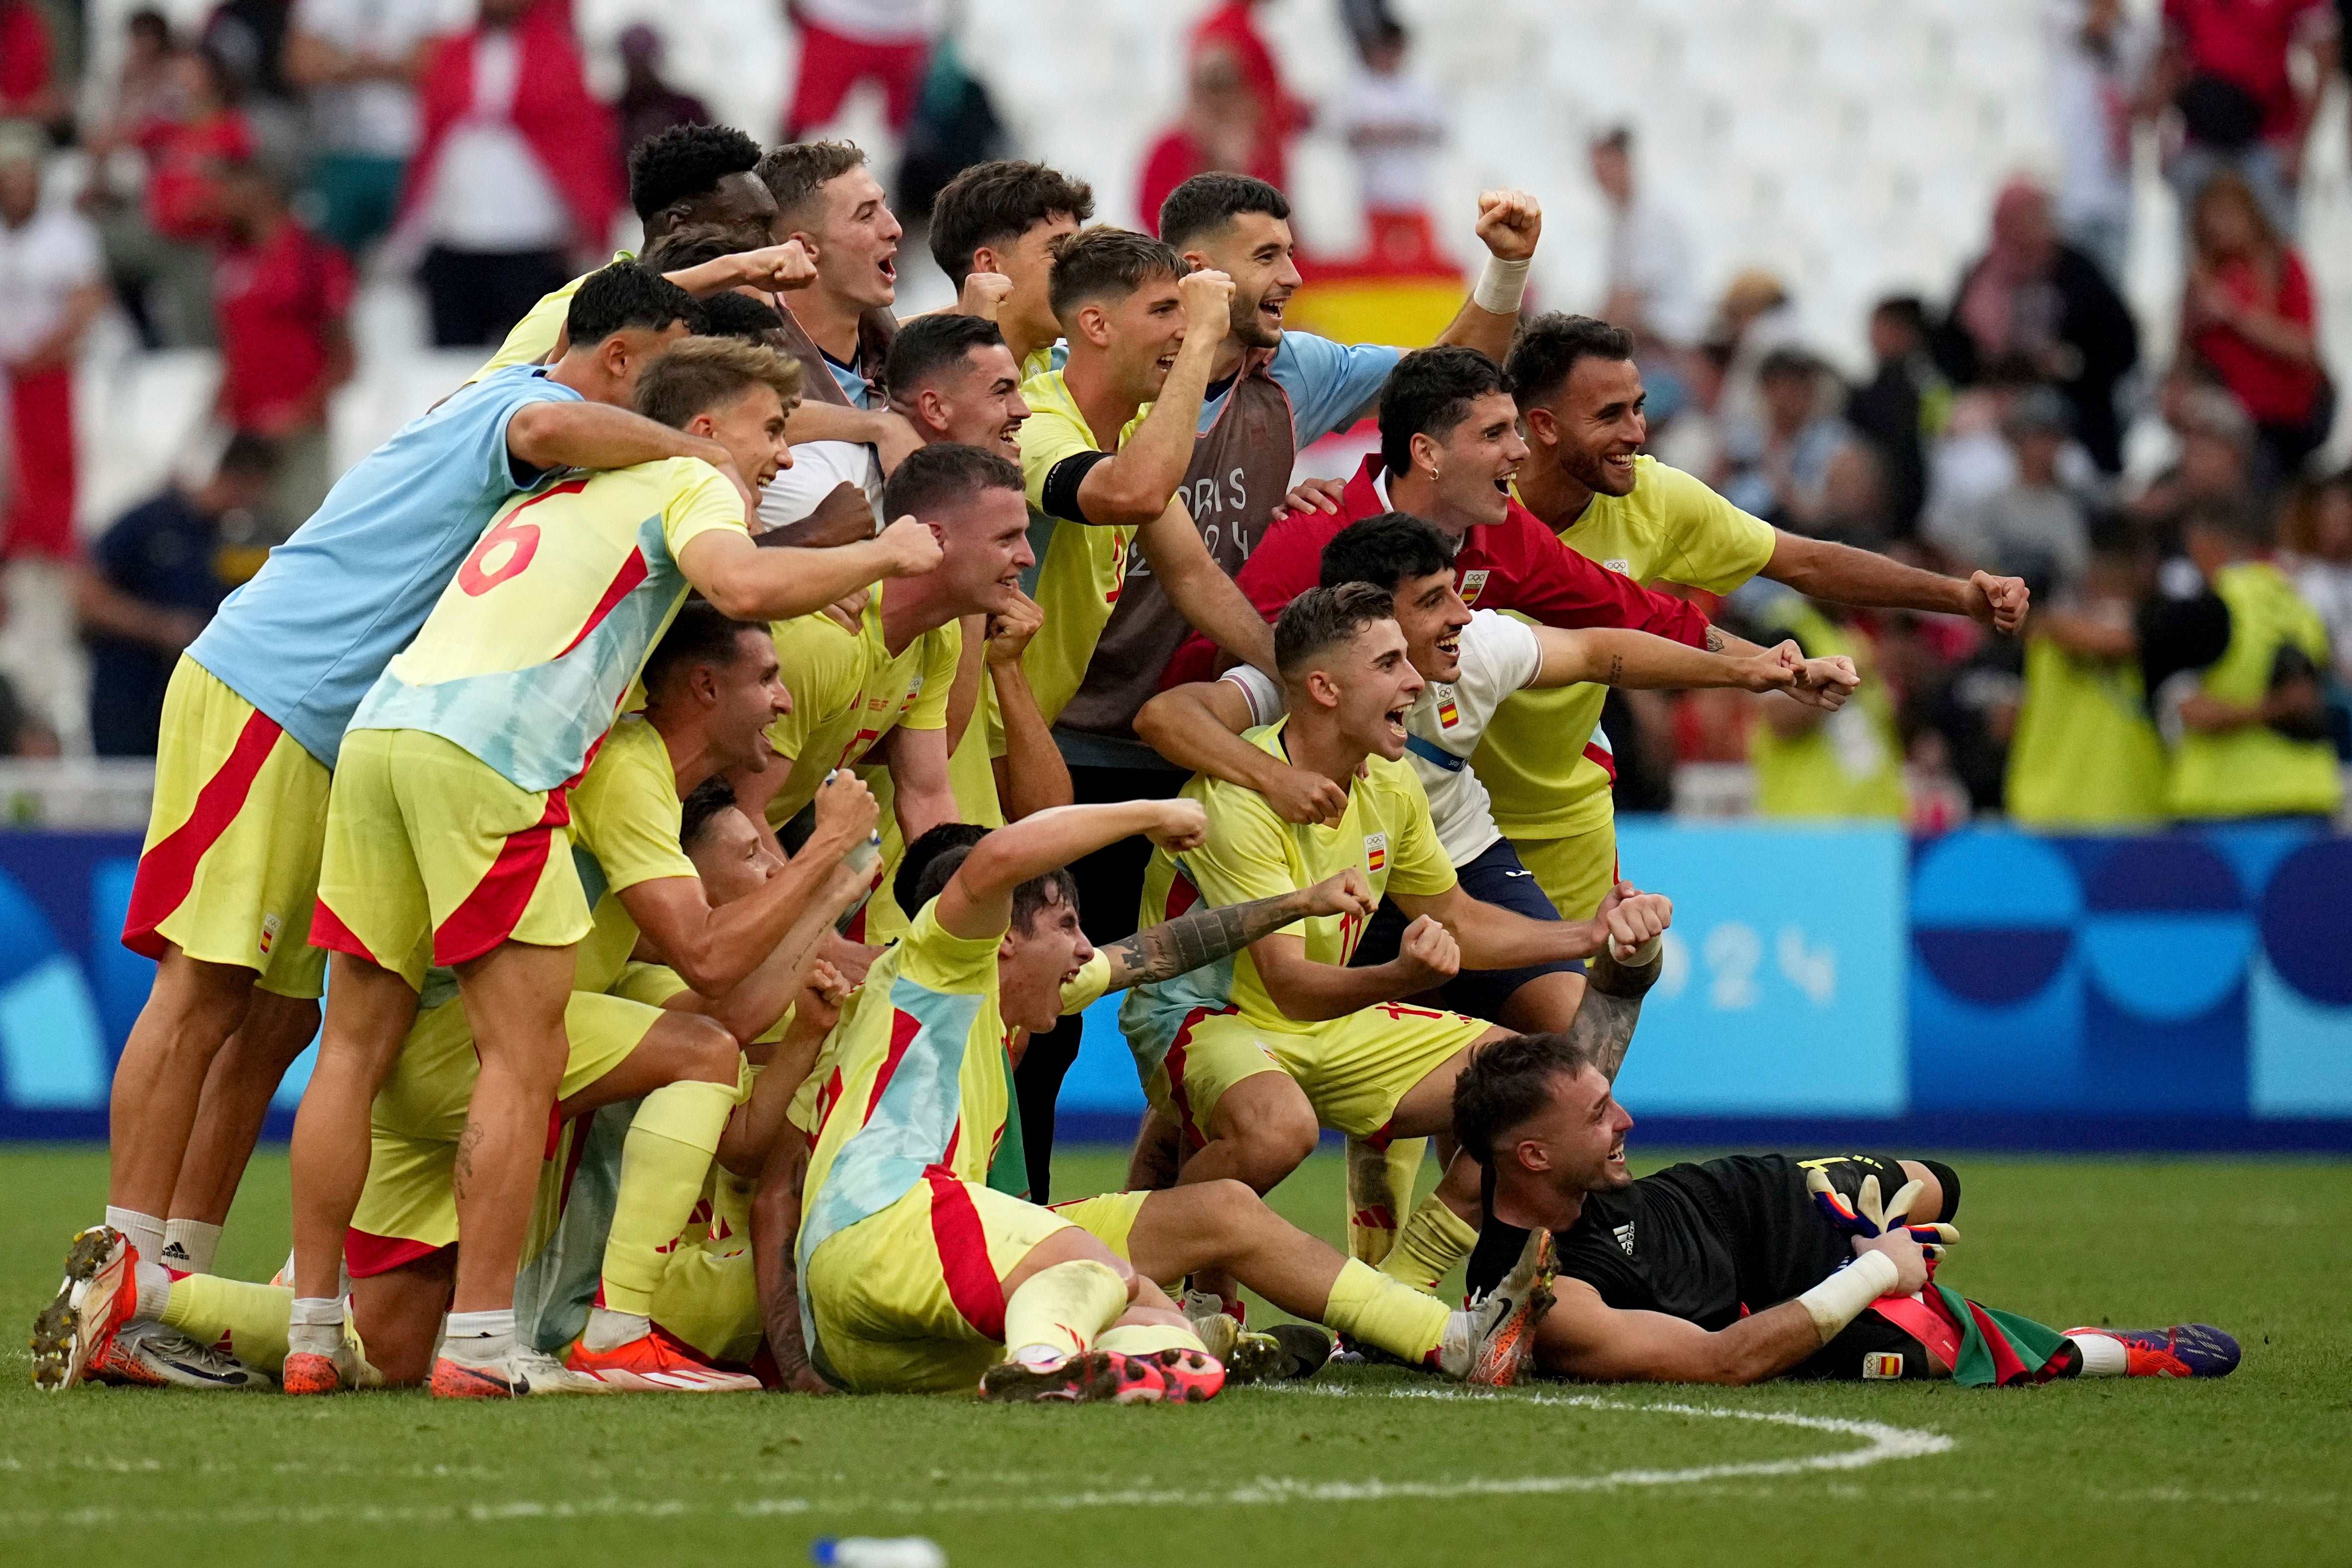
pixel 242 175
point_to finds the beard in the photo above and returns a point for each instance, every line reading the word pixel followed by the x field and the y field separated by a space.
pixel 1249 332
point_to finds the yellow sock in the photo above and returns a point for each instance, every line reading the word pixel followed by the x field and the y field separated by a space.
pixel 1063 1309
pixel 663 1161
pixel 253 1318
pixel 1142 1339
pixel 1369 1305
pixel 1432 1243
pixel 1379 1191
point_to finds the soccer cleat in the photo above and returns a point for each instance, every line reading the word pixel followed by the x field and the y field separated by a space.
pixel 151 1355
pixel 74 1331
pixel 2184 1350
pixel 1252 1358
pixel 1183 1377
pixel 656 1363
pixel 307 1371
pixel 1086 1378
pixel 1308 1347
pixel 1218 1332
pixel 1197 1305
pixel 513 1375
pixel 1501 1336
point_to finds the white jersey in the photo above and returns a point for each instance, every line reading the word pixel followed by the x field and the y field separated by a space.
pixel 1500 656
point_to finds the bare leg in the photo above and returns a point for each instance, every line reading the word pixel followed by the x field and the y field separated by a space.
pixel 398 1314
pixel 236 1103
pixel 1427 1109
pixel 1261 1129
pixel 191 1011
pixel 368 1014
pixel 1223 1225
pixel 514 996
pixel 1155 1163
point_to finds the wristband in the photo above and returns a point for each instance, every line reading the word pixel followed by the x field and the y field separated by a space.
pixel 1501 286
pixel 1842 1297
pixel 1644 955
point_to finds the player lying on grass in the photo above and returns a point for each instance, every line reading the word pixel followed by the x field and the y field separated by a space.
pixel 1251 1058
pixel 1754 1266
pixel 1168 1235
pixel 712 685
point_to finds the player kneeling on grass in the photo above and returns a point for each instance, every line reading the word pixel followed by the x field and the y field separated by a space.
pixel 1754 1266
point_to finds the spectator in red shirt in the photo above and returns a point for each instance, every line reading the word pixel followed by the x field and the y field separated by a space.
pixel 1217 132
pixel 1231 31
pixel 1449 447
pixel 186 151
pixel 2228 65
pixel 2249 315
pixel 281 294
pixel 27 91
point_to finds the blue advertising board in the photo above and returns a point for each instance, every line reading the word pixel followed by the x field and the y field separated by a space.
pixel 1986 988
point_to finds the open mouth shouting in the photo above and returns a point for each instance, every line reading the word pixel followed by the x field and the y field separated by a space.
pixel 1395 717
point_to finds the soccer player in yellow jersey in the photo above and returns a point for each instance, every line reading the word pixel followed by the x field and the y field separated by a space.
pixel 443 832
pixel 872 687
pixel 1005 217
pixel 1581 400
pixel 1254 1057
pixel 1142 331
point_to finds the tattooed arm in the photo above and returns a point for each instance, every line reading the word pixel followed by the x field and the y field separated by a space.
pixel 1611 1007
pixel 1206 935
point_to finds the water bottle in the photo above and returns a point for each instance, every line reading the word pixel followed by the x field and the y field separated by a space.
pixel 877 1552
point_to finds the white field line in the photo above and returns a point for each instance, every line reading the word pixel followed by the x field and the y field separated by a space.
pixel 1881 1442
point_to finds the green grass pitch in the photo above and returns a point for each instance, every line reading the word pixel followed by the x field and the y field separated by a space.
pixel 1355 1467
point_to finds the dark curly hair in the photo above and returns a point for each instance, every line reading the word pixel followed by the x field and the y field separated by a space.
pixel 686 160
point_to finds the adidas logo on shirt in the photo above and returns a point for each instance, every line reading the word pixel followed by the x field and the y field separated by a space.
pixel 1624 1234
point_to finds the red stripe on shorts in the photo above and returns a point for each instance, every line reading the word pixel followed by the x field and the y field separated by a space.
pixel 168 871
pixel 964 1264
pixel 488 915
pixel 904 1027
pixel 366 1255
pixel 625 582
pixel 328 932
pixel 1173 1064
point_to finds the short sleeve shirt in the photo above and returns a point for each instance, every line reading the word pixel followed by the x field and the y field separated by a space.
pixel 625 823
pixel 849 691
pixel 1083 565
pixel 306 639
pixel 919 1079
pixel 1386 834
pixel 1669 527
pixel 528 653
pixel 1500 656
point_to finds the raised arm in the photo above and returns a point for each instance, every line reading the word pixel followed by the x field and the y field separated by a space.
pixel 1206 934
pixel 1198 726
pixel 1640 662
pixel 978 900
pixel 746 583
pixel 750 1007
pixel 751 1131
pixel 1510 223
pixel 1031 777
pixel 920 794
pixel 715 949
pixel 1134 485
pixel 1844 575
pixel 1200 589
pixel 1492 938
pixel 1611 1007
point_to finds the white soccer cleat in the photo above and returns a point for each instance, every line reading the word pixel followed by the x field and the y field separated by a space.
pixel 148 1354
pixel 1492 1344
pixel 74 1331
pixel 513 1375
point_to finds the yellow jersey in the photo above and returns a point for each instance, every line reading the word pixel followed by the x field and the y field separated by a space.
pixel 1669 527
pixel 1252 853
pixel 2253 771
pixel 528 653
pixel 1083 565
pixel 624 820
pixel 2084 754
pixel 849 691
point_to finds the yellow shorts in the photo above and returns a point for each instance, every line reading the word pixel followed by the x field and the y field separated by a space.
pixel 1577 872
pixel 432 857
pixel 1354 1069
pixel 1109 1219
pixel 912 1299
pixel 230 871
pixel 409 1207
